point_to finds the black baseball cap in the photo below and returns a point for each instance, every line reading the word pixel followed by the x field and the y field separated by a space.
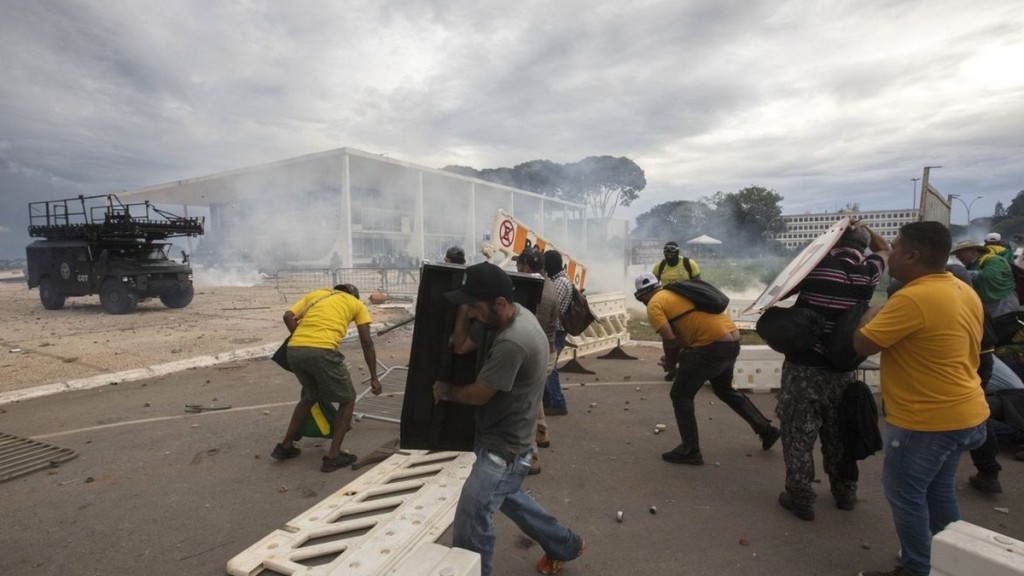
pixel 484 281
pixel 531 258
pixel 455 255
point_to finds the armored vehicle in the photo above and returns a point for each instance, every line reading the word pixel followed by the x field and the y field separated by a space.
pixel 99 245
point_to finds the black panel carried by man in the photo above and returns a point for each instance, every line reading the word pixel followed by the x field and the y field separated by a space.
pixel 705 347
pixel 812 389
pixel 507 394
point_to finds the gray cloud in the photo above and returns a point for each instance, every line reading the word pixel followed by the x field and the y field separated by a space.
pixel 824 101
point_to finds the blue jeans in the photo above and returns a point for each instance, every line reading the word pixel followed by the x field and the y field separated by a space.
pixel 494 484
pixel 918 476
pixel 553 397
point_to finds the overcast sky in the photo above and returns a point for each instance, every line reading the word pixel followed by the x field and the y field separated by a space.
pixel 826 102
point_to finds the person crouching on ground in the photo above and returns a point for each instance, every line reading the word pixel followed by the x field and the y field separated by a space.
pixel 318 322
pixel 507 393
pixel 710 344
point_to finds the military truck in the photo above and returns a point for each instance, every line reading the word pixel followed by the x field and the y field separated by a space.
pixel 99 245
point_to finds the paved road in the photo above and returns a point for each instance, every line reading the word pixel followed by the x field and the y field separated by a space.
pixel 156 490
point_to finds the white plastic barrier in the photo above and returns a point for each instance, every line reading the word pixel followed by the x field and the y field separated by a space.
pixel 963 549
pixel 608 331
pixel 380 523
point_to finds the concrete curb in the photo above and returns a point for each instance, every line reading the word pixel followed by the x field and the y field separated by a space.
pixel 137 373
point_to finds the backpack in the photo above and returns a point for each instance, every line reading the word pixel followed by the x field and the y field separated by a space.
pixel 578 316
pixel 790 330
pixel 840 352
pixel 705 297
pixel 859 421
pixel 1018 281
pixel 686 264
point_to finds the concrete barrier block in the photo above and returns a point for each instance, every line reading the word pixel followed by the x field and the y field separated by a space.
pixel 963 549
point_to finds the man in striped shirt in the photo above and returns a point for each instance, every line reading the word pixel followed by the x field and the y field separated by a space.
pixel 811 391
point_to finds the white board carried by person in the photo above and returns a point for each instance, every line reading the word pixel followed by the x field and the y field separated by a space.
pixel 798 268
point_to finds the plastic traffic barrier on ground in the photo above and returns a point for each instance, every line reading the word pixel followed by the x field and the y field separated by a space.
pixel 373 525
pixel 963 549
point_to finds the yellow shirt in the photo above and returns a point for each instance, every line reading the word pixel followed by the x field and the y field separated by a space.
pixel 326 322
pixel 675 273
pixel 693 330
pixel 930 335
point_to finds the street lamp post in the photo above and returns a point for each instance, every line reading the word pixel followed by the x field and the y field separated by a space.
pixel 967 206
pixel 913 199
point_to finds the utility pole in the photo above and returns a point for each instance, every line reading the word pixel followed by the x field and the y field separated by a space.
pixel 913 199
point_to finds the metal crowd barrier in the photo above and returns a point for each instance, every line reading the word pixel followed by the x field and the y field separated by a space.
pixel 397 283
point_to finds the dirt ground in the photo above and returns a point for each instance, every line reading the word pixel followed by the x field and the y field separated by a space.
pixel 42 346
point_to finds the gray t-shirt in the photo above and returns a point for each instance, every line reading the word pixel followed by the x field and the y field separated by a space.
pixel 516 366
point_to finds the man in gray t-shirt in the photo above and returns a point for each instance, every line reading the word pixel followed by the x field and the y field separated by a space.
pixel 507 393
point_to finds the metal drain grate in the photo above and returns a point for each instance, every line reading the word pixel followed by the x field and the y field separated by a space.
pixel 20 456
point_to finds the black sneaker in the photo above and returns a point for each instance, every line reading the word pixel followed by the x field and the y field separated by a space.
pixel 340 461
pixel 769 438
pixel 554 411
pixel 846 502
pixel 694 457
pixel 284 453
pixel 802 512
pixel 986 483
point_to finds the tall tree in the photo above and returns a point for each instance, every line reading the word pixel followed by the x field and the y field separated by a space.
pixel 1016 207
pixel 676 220
pixel 1000 211
pixel 601 183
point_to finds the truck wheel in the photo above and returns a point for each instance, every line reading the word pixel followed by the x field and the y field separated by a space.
pixel 51 298
pixel 116 298
pixel 178 299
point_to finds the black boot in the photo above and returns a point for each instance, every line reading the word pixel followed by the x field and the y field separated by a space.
pixel 762 426
pixel 687 422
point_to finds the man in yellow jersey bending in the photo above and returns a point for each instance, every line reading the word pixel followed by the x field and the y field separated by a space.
pixel 318 322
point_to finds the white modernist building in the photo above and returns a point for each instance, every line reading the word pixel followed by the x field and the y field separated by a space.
pixel 346 208
pixel 801 229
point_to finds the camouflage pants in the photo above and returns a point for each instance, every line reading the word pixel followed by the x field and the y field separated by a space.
pixel 808 408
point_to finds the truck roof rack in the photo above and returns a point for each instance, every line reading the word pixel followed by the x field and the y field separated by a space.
pixel 79 219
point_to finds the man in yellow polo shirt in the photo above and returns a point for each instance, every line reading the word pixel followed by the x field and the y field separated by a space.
pixel 706 347
pixel 318 322
pixel 929 334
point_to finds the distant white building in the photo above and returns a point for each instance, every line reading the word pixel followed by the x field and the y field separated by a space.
pixel 801 229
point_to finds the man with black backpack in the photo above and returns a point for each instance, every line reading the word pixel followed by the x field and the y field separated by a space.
pixel 705 343
pixel 675 268
pixel 812 387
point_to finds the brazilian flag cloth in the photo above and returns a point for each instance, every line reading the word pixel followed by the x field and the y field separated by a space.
pixel 320 421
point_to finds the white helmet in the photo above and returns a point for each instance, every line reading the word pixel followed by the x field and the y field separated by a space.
pixel 646 282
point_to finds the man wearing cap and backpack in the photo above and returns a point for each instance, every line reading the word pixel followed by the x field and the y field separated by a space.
pixel 706 346
pixel 675 268
pixel 507 395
